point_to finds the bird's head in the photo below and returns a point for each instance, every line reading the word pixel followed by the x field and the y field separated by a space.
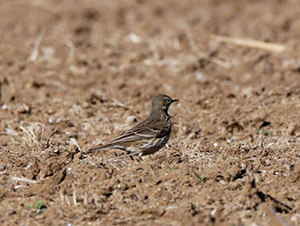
pixel 161 103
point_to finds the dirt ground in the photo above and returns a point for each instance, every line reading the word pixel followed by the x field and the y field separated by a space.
pixel 74 74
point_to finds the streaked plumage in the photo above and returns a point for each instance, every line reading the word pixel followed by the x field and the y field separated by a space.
pixel 148 136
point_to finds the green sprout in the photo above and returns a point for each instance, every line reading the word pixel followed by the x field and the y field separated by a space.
pixel 173 168
pixel 268 133
pixel 203 179
pixel 39 205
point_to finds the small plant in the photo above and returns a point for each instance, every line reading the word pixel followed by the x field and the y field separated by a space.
pixel 173 168
pixel 203 179
pixel 83 162
pixel 39 205
pixel 268 133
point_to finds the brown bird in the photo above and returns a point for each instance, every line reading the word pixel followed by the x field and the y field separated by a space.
pixel 148 136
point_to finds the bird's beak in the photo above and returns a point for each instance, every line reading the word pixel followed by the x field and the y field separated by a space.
pixel 174 100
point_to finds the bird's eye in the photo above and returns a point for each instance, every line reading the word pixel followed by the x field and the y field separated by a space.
pixel 169 100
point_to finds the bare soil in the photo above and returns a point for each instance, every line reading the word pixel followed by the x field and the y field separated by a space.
pixel 74 74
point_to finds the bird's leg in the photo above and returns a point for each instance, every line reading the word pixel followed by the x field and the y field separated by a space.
pixel 136 153
pixel 131 157
pixel 129 153
pixel 140 157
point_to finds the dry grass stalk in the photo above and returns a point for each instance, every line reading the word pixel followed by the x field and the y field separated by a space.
pixel 114 166
pixel 250 43
pixel 10 131
pixel 51 135
pixel 95 199
pixel 62 197
pixel 219 62
pixel 191 40
pixel 74 196
pixel 35 51
pixel 85 199
pixel 74 143
pixel 29 132
pixel 71 53
pixel 67 200
pixel 23 179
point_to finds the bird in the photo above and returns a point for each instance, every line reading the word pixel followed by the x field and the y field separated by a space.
pixel 148 136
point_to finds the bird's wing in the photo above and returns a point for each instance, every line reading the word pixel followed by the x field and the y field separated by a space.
pixel 150 128
pixel 145 130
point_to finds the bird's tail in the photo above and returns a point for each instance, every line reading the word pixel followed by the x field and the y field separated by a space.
pixel 99 148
